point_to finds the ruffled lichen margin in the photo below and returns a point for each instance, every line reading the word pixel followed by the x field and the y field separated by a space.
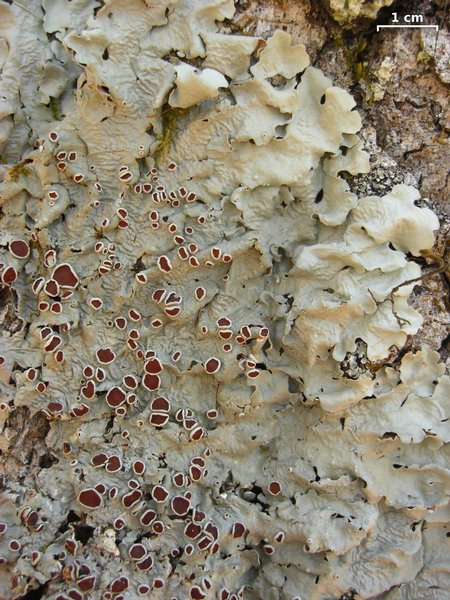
pixel 207 313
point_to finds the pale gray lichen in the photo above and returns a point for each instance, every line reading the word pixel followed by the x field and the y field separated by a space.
pixel 193 86
pixel 194 277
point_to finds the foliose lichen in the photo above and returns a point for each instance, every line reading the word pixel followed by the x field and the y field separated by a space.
pixel 345 11
pixel 205 337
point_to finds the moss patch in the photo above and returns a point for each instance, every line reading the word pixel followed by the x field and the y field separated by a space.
pixel 170 123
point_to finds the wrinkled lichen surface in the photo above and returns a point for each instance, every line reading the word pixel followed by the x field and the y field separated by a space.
pixel 207 314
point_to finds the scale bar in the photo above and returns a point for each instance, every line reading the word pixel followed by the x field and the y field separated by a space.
pixel 407 27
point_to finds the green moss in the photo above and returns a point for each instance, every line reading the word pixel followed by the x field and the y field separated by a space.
pixel 354 50
pixel 423 57
pixel 281 3
pixel 353 55
pixel 18 171
pixel 170 123
pixel 55 108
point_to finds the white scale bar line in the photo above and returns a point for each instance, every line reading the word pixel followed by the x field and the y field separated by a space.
pixel 406 27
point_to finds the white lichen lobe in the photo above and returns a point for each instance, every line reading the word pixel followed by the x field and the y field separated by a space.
pixel 193 86
pixel 207 320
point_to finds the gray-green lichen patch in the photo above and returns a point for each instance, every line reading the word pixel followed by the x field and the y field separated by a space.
pixel 208 314
pixel 345 11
